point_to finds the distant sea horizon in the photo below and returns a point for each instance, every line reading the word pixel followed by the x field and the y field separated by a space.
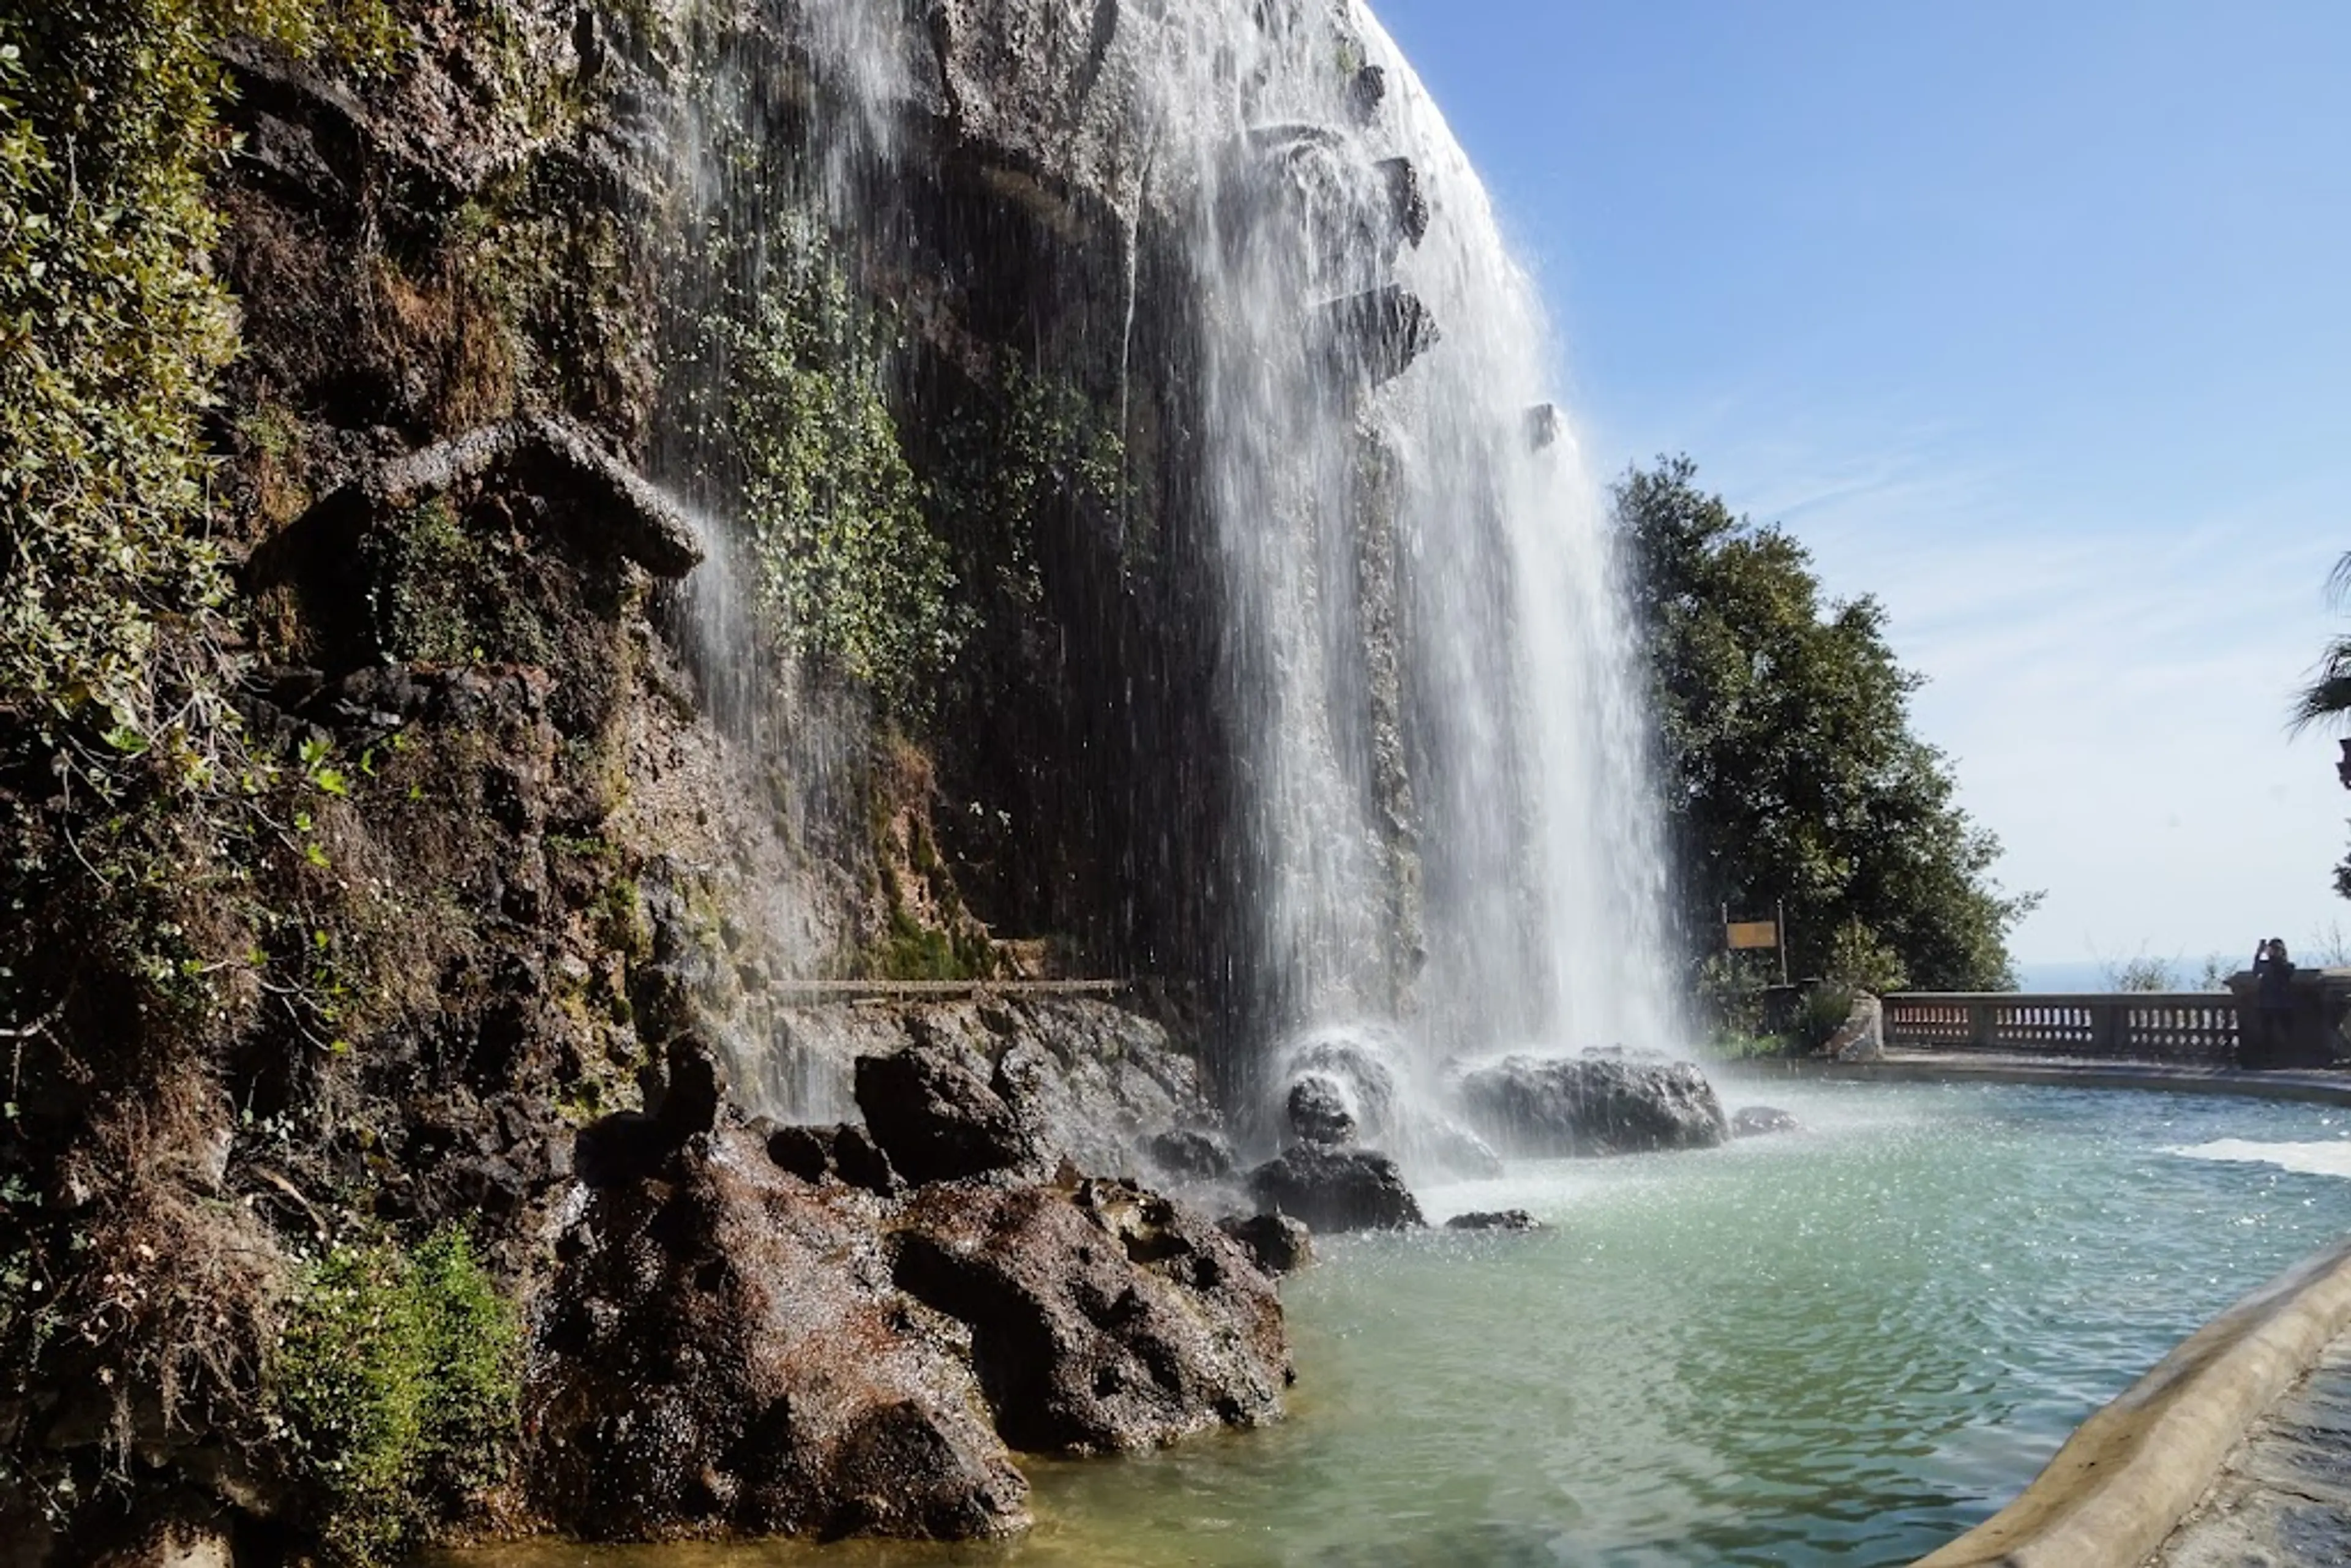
pixel 2079 975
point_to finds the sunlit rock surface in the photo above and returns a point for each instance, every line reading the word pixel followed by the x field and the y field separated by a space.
pixel 726 1352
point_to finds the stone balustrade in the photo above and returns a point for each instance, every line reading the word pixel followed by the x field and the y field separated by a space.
pixel 2194 1027
pixel 2213 1028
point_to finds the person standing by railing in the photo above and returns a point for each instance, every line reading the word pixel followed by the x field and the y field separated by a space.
pixel 2272 996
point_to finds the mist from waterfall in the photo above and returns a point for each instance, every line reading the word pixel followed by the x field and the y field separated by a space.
pixel 1444 818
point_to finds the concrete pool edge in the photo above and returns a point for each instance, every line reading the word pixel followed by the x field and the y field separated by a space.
pixel 2128 1474
pixel 2320 1087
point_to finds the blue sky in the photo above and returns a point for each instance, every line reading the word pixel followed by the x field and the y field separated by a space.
pixel 2033 320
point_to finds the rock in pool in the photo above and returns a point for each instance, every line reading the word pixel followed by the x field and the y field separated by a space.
pixel 1597 1103
pixel 1499 1219
pixel 1102 1319
pixel 1754 1121
pixel 725 1353
pixel 1336 1189
pixel 1318 1111
pixel 1280 1244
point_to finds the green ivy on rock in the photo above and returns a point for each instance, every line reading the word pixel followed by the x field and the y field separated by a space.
pixel 842 557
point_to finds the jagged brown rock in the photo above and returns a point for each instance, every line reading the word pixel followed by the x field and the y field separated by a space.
pixel 726 1352
pixel 937 1116
pixel 1103 1319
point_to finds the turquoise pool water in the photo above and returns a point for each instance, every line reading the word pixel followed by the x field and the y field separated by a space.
pixel 1844 1345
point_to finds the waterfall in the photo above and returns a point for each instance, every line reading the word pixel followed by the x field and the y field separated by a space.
pixel 1416 706
pixel 1449 813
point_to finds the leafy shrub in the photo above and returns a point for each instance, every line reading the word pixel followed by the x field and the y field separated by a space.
pixel 1859 958
pixel 1821 1013
pixel 111 331
pixel 396 1381
pixel 842 557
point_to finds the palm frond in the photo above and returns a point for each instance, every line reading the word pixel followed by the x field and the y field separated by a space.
pixel 2339 583
pixel 2329 695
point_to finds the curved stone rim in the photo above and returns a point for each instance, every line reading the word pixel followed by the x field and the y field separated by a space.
pixel 2128 1474
pixel 2330 1089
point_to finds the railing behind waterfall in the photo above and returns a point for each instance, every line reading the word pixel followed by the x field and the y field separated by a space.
pixel 2192 1027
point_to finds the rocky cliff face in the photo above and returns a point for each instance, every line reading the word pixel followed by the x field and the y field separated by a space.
pixel 517 811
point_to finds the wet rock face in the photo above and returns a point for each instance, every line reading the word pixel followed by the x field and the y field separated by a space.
pixel 725 1353
pixel 1083 1081
pixel 1279 1244
pixel 1593 1104
pixel 1191 1154
pixel 1318 1111
pixel 939 1118
pixel 1501 1219
pixel 1335 1189
pixel 1105 1319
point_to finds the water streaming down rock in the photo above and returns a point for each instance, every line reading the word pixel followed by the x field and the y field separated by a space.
pixel 1350 729
pixel 1449 812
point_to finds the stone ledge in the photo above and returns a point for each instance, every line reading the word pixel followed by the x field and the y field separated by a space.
pixel 2323 1087
pixel 2126 1477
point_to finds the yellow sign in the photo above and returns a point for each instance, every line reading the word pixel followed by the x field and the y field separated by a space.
pixel 1746 933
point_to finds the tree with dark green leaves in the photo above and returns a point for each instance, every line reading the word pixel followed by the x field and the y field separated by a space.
pixel 1791 776
pixel 2328 698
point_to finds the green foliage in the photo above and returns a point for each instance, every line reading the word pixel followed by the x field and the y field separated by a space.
pixel 397 1382
pixel 2328 698
pixel 111 329
pixel 1790 772
pixel 1859 958
pixel 1023 444
pixel 913 952
pixel 843 559
pixel 1821 1013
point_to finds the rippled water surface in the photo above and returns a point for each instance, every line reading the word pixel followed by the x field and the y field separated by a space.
pixel 1839 1346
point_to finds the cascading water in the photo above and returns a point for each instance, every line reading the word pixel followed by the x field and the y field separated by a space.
pixel 1434 813
pixel 1420 618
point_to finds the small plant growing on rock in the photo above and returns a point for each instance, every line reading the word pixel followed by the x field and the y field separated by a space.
pixel 396 1384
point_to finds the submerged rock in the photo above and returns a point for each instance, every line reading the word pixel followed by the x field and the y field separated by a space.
pixel 1280 1244
pixel 1461 1152
pixel 1593 1104
pixel 1104 1320
pixel 1334 1190
pixel 1755 1121
pixel 726 1353
pixel 1501 1219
